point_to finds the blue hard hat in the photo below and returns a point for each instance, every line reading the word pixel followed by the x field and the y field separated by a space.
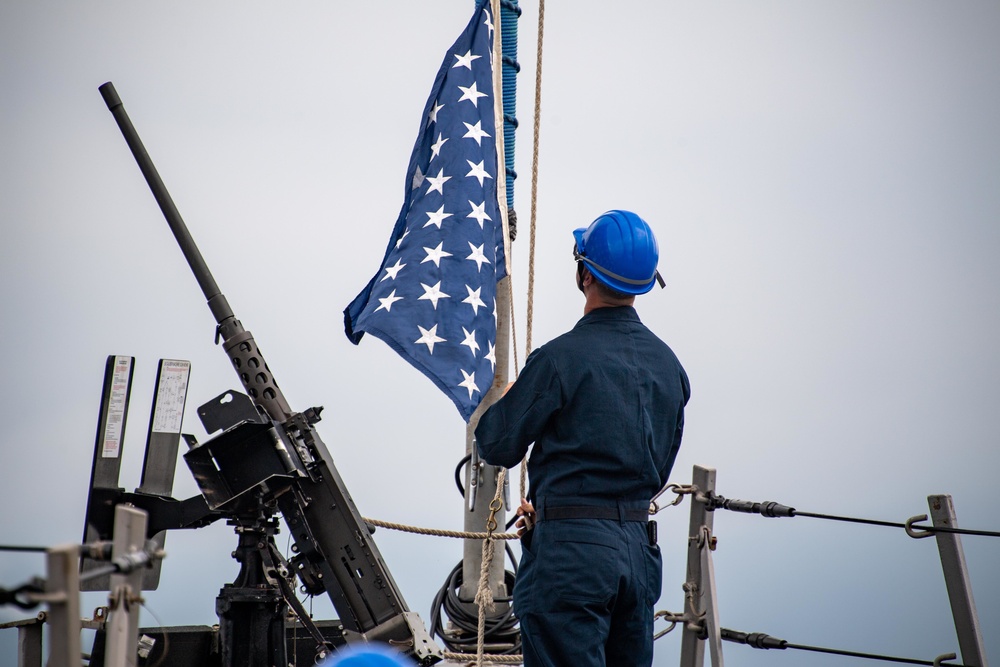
pixel 620 250
pixel 366 655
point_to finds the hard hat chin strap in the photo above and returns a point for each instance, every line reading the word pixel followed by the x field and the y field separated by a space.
pixel 592 265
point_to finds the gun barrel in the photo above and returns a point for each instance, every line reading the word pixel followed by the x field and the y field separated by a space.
pixel 237 341
pixel 216 300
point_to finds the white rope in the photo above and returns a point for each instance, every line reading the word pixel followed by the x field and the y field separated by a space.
pixel 438 532
pixel 534 177
pixel 484 596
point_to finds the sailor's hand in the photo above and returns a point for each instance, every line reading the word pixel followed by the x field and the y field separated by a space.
pixel 526 522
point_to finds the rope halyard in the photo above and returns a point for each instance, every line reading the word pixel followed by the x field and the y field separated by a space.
pixel 484 596
pixel 529 324
pixel 534 176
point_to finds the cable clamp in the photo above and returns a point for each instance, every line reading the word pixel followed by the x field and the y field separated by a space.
pixel 917 532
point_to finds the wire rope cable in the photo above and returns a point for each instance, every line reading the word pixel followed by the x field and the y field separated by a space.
pixel 872 656
pixel 763 641
pixel 22 548
pixel 908 526
pixel 768 508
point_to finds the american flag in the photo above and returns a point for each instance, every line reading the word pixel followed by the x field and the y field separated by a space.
pixel 433 299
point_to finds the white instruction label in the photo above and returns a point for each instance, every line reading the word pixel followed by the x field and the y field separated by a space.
pixel 170 394
pixel 112 445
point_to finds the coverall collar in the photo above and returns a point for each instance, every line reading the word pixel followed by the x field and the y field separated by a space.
pixel 610 313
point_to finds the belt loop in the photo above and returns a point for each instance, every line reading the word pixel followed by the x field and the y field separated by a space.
pixel 621 512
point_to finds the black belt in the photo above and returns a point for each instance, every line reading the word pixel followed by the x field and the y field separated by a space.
pixel 589 512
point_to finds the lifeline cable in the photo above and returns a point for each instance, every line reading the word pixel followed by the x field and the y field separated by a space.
pixel 769 508
pixel 763 641
pixel 893 524
pixel 14 547
pixel 872 656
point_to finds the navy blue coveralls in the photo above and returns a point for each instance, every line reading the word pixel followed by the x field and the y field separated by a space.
pixel 604 405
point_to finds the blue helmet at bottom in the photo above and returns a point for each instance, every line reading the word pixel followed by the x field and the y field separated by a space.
pixel 620 250
pixel 367 655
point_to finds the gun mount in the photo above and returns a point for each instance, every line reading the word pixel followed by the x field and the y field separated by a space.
pixel 270 459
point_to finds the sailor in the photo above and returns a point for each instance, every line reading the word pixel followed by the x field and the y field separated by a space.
pixel 604 406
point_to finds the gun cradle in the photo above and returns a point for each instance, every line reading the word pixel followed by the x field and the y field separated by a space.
pixel 253 467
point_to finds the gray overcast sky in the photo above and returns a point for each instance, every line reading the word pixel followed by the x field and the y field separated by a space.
pixel 823 177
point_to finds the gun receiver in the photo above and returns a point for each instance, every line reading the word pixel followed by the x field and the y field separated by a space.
pixel 280 461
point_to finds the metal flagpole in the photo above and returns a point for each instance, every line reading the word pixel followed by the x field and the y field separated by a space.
pixel 481 478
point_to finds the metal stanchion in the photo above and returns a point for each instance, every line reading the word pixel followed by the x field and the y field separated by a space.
pixel 701 609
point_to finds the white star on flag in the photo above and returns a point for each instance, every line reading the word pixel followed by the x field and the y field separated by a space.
pixel 437 182
pixel 473 299
pixel 475 132
pixel 469 382
pixel 491 355
pixel 434 293
pixel 471 93
pixel 393 271
pixel 466 60
pixel 429 337
pixel 479 213
pixel 477 256
pixel 437 217
pixel 477 171
pixel 470 341
pixel 436 146
pixel 488 22
pixel 388 301
pixel 433 115
pixel 435 255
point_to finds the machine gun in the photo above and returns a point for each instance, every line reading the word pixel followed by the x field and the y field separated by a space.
pixel 270 459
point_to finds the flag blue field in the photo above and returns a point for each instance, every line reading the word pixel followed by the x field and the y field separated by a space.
pixel 433 299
